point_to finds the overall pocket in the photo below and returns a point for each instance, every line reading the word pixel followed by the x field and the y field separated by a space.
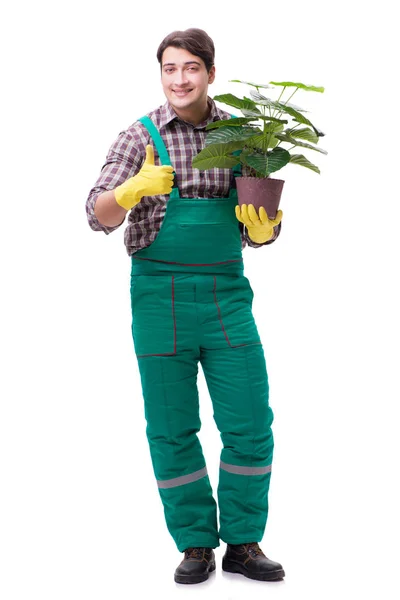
pixel 153 315
pixel 209 243
pixel 233 298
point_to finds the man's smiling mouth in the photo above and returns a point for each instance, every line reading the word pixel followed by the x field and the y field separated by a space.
pixel 182 92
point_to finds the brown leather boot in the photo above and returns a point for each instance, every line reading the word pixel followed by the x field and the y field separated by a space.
pixel 195 566
pixel 250 561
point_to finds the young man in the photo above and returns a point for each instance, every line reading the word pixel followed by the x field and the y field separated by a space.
pixel 191 303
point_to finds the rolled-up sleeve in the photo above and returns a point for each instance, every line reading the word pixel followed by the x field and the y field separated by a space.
pixel 124 159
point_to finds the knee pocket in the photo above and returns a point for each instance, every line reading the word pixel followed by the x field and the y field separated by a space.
pixel 153 316
pixel 233 302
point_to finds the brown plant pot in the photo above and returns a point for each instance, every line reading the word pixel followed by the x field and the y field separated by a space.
pixel 259 192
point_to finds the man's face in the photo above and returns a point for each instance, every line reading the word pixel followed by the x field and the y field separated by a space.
pixel 185 80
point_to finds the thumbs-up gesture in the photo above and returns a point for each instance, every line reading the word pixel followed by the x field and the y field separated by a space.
pixel 150 181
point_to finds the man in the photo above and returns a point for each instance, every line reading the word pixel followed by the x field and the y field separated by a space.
pixel 191 303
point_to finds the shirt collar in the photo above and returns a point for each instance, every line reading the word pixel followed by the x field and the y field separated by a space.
pixel 168 114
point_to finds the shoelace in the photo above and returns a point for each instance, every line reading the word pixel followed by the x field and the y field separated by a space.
pixel 194 553
pixel 254 549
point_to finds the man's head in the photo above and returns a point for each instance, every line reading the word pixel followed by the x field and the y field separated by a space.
pixel 187 68
pixel 195 41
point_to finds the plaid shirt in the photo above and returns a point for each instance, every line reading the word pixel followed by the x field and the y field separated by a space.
pixel 183 141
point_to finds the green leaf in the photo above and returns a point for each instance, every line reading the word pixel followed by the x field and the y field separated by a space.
pixel 285 108
pixel 274 119
pixel 295 107
pixel 267 138
pixel 302 86
pixel 224 135
pixel 275 126
pixel 259 97
pixel 261 141
pixel 318 132
pixel 229 122
pixel 217 156
pixel 264 101
pixel 254 112
pixel 298 117
pixel 284 137
pixel 303 134
pixel 299 159
pixel 236 102
pixel 257 85
pixel 267 163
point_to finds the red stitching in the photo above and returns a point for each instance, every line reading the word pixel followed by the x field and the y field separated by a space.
pixel 189 264
pixel 222 324
pixel 219 311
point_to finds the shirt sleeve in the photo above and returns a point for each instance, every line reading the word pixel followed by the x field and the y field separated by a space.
pixel 124 160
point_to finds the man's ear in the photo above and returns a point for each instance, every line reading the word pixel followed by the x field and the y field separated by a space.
pixel 211 74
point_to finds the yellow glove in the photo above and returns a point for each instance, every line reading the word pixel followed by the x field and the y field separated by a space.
pixel 260 228
pixel 150 181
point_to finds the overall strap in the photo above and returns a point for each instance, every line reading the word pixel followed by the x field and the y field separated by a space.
pixel 157 139
pixel 161 149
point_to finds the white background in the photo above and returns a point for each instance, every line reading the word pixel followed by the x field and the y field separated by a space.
pixel 80 512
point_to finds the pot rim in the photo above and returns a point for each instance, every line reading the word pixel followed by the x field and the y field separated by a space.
pixel 260 178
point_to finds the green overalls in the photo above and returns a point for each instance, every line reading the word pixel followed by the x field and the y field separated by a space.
pixel 191 303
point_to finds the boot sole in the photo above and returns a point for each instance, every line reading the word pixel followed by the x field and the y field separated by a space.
pixel 195 578
pixel 231 567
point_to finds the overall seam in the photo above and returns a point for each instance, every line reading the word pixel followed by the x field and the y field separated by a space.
pixel 222 323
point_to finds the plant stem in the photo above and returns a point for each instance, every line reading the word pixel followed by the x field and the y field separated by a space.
pixel 281 93
pixel 293 128
pixel 278 101
pixel 286 101
pixel 264 128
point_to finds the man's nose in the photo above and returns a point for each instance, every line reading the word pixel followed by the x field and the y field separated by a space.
pixel 181 77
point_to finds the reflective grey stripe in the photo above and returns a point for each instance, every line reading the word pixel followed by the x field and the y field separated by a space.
pixel 245 470
pixel 176 481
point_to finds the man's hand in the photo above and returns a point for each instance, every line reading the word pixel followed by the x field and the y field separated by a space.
pixel 259 227
pixel 150 181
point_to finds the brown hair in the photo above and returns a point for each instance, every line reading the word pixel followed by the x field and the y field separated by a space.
pixel 195 41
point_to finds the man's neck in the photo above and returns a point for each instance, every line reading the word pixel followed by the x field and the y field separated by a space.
pixel 194 117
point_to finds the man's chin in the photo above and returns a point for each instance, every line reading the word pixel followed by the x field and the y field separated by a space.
pixel 182 104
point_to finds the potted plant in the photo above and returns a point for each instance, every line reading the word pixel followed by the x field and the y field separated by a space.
pixel 256 141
